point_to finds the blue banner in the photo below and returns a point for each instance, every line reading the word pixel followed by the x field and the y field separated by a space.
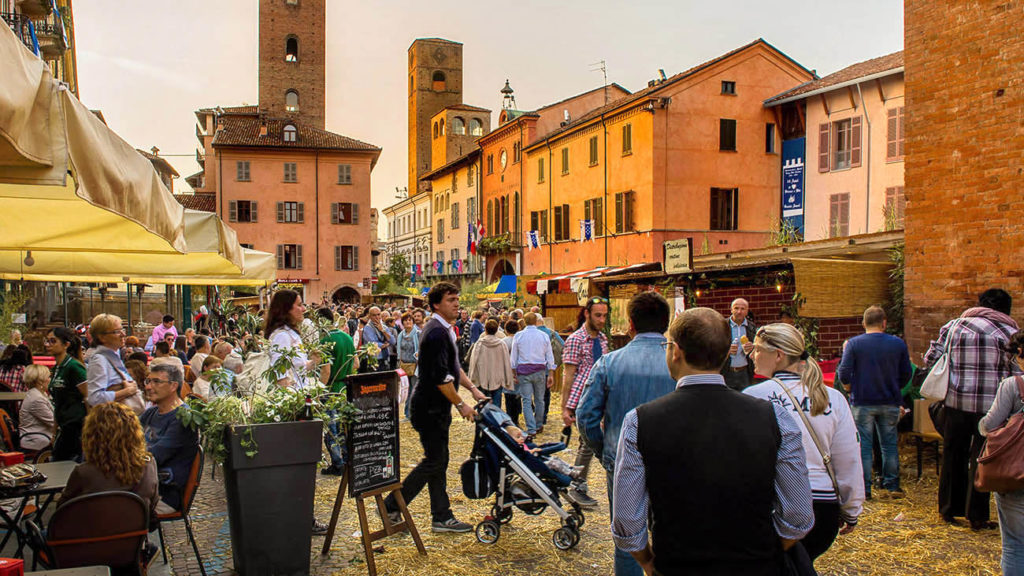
pixel 793 182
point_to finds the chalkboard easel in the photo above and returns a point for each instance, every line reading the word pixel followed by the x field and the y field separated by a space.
pixel 372 461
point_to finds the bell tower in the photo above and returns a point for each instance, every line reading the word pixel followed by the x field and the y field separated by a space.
pixel 292 59
pixel 435 82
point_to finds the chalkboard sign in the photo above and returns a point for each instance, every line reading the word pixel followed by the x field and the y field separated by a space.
pixel 372 440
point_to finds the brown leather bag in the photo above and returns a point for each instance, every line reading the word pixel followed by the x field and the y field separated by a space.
pixel 1001 464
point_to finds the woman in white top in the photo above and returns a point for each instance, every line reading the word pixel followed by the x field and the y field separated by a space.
pixel 36 421
pixel 281 327
pixel 779 350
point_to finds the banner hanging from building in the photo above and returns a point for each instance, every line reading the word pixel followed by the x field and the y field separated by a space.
pixel 793 183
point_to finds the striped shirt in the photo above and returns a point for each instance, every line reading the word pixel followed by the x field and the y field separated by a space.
pixel 793 514
pixel 579 351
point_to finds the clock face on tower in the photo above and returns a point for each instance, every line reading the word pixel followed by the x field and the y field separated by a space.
pixel 504 159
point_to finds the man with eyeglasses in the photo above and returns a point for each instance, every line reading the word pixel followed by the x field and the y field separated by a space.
pixel 172 444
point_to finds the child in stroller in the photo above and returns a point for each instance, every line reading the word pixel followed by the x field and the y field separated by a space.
pixel 523 476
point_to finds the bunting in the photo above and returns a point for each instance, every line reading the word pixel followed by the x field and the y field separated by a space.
pixel 533 238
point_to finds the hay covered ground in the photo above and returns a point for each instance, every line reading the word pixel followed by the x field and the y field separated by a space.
pixel 905 536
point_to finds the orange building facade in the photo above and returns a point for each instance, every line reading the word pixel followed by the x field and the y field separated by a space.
pixel 691 156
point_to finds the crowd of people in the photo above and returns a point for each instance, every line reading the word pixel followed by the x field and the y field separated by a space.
pixel 711 430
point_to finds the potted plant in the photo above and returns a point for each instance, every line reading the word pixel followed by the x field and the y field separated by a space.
pixel 269 446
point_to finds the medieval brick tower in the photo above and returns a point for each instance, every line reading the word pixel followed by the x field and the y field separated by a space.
pixel 435 81
pixel 293 59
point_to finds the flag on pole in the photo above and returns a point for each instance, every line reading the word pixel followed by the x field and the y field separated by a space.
pixel 471 239
pixel 480 230
pixel 534 239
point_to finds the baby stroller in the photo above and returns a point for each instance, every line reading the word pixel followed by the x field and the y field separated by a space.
pixel 519 479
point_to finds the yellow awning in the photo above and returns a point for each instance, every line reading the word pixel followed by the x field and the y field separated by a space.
pixel 67 182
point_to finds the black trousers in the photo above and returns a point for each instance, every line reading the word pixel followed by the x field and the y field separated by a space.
pixel 737 380
pixel 513 407
pixel 961 446
pixel 826 527
pixel 432 471
pixel 68 445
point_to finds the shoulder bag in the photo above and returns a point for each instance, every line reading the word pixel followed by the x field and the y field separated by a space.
pixel 826 457
pixel 936 384
pixel 1001 464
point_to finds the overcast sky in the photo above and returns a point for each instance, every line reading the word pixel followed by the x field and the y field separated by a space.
pixel 149 65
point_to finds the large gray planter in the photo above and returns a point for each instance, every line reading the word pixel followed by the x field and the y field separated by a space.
pixel 270 497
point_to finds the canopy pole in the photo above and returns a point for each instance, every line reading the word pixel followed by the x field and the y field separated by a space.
pixel 128 293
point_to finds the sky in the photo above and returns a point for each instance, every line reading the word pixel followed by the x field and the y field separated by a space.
pixel 149 65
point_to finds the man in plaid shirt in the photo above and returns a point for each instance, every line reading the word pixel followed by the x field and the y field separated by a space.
pixel 976 345
pixel 582 349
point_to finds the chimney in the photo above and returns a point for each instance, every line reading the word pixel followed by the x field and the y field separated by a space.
pixel 263 125
pixel 155 151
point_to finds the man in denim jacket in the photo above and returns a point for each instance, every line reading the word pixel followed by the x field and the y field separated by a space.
pixel 621 381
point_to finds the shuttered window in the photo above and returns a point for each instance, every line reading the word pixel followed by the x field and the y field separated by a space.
pixel 490 217
pixel 727 135
pixel 624 212
pixel 344 173
pixel 627 139
pixel 344 213
pixel 291 212
pixel 242 211
pixel 895 135
pixel 455 215
pixel 289 256
pixel 593 210
pixel 895 207
pixel 540 170
pixel 562 223
pixel 593 150
pixel 823 147
pixel 242 170
pixel 724 208
pixel 291 173
pixel 346 257
pixel 839 215
pixel 845 140
pixel 769 138
pixel 565 160
pixel 440 230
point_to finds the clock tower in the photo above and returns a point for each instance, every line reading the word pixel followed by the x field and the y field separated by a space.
pixel 435 82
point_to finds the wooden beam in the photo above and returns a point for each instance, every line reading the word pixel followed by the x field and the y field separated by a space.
pixel 881 94
pixel 853 101
pixel 824 104
pixel 778 121
pixel 801 113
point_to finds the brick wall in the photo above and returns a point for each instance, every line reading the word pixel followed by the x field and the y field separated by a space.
pixel 832 332
pixel 306 22
pixel 964 154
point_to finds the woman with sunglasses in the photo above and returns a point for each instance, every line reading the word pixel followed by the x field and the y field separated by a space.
pixel 796 384
pixel 68 389
pixel 108 379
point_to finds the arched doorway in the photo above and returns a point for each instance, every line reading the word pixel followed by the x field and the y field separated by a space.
pixel 501 268
pixel 345 295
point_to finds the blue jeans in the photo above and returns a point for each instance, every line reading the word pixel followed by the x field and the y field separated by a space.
pixel 408 399
pixel 884 420
pixel 1010 506
pixel 495 396
pixel 335 440
pixel 625 565
pixel 531 388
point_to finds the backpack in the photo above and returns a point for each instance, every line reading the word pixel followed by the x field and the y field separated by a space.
pixel 556 348
pixel 251 378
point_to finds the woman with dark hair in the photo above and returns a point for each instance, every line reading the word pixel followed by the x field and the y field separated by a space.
pixel 281 327
pixel 12 369
pixel 68 389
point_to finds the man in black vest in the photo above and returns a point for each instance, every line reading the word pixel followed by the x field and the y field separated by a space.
pixel 724 474
pixel 431 408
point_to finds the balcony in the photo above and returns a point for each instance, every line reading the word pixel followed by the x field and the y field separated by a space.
pixel 500 244
pixel 21 26
pixel 53 40
pixel 35 8
pixel 201 157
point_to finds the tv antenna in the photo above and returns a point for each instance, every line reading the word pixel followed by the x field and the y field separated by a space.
pixel 603 69
pixel 402 192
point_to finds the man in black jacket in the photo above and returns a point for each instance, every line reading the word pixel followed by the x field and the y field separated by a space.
pixel 738 370
pixel 431 408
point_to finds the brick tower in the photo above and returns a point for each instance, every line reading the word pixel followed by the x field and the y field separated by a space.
pixel 435 81
pixel 292 59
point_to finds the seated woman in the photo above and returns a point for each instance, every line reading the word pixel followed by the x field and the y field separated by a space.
pixel 36 421
pixel 202 387
pixel 115 458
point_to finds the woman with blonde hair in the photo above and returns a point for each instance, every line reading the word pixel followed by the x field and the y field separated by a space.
pixel 36 422
pixel 115 457
pixel 107 376
pixel 827 429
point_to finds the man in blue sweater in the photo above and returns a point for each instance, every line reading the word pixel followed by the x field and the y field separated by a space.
pixel 171 444
pixel 875 366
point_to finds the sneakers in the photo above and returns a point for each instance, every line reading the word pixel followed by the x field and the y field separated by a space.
pixel 319 528
pixel 451 525
pixel 395 517
pixel 583 499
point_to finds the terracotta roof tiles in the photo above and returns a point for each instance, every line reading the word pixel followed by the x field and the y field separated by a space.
pixel 244 130
pixel 199 201
pixel 859 70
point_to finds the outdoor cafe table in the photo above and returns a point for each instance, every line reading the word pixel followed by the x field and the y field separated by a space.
pixel 12 396
pixel 57 474
pixel 83 571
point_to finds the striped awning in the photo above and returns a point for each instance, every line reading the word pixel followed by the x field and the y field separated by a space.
pixel 562 283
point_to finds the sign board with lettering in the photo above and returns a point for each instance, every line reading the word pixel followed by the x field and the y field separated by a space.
pixel 372 440
pixel 679 256
pixel 793 183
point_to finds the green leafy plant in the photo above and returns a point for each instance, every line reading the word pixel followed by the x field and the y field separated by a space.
pixel 495 244
pixel 12 302
pixel 784 233
pixel 894 309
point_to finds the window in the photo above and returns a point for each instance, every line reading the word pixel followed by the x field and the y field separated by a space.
pixel 471 210
pixel 242 211
pixel 289 256
pixel 490 163
pixel 291 49
pixel 440 129
pixel 435 130
pixel 727 135
pixel 627 139
pixel 344 213
pixel 346 257
pixel 769 138
pixel 504 214
pixel 490 217
pixel 438 81
pixel 895 207
pixel 539 222
pixel 624 212
pixel 593 150
pixel 724 208
pixel 458 126
pixel 476 127
pixel 593 210
pixel 290 172
pixel 565 160
pixel 455 256
pixel 895 135
pixel 839 144
pixel 469 175
pixel 242 170
pixel 344 173
pixel 440 230
pixel 291 2
pixel 247 245
pixel 290 133
pixel 540 170
pixel 455 215
pixel 517 152
pixel 291 212
pixel 291 101
pixel 729 87
pixel 562 222
pixel 515 213
pixel 839 215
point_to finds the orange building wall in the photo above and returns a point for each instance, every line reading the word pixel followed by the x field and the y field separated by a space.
pixel 267 188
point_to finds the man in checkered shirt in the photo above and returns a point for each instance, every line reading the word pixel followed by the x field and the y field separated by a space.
pixel 976 345
pixel 582 348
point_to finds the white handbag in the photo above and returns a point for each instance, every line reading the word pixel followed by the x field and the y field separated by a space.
pixel 936 383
